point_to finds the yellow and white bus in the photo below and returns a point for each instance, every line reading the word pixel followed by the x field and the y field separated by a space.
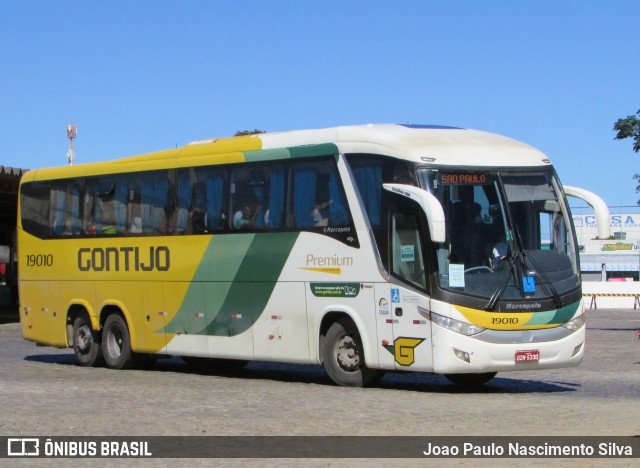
pixel 363 248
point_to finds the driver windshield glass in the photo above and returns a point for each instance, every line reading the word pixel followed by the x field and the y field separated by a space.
pixel 507 234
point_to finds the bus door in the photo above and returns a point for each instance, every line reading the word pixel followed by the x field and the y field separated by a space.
pixel 407 301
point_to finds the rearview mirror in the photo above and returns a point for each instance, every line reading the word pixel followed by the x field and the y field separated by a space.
pixel 429 204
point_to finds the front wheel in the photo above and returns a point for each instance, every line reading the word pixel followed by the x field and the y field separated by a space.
pixel 471 380
pixel 86 342
pixel 116 344
pixel 343 357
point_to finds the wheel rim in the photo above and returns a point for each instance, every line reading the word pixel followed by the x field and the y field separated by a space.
pixel 115 341
pixel 347 354
pixel 84 339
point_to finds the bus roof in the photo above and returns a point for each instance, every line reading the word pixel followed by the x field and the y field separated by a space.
pixel 435 144
pixel 419 143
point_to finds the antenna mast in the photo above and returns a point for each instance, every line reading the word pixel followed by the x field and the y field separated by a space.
pixel 72 131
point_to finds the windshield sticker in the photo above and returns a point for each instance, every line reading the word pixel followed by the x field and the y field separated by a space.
pixel 528 284
pixel 407 253
pixel 456 275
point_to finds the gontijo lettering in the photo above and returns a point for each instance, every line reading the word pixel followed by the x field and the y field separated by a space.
pixel 124 259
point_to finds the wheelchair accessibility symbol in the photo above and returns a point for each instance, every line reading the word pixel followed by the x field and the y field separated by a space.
pixel 395 295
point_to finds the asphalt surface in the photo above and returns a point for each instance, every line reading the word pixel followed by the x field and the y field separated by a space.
pixel 43 391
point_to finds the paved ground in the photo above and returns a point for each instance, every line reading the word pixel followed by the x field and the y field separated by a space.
pixel 43 391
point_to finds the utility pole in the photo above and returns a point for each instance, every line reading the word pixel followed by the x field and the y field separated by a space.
pixel 72 131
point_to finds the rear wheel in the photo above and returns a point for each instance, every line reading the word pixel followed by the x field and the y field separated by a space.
pixel 116 344
pixel 86 342
pixel 471 380
pixel 343 357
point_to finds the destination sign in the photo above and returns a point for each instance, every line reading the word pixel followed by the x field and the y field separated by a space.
pixel 462 179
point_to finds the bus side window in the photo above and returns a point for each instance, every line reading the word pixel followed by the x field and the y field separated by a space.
pixel 317 196
pixel 34 208
pixel 154 188
pixel 248 197
pixel 65 208
pixel 275 206
pixel 304 196
pixel 185 181
pixel 406 248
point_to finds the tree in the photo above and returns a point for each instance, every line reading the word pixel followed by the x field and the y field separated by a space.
pixel 630 128
pixel 249 132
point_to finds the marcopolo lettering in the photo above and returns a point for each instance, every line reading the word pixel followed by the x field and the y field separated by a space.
pixel 124 259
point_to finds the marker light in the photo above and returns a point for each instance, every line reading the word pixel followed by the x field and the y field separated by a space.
pixel 462 355
pixel 465 328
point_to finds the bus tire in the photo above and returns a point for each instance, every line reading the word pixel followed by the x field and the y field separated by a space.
pixel 86 342
pixel 471 380
pixel 343 356
pixel 116 344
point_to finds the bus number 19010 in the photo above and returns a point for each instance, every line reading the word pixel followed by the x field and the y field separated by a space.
pixel 40 260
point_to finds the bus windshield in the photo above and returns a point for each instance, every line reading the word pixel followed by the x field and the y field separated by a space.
pixel 508 235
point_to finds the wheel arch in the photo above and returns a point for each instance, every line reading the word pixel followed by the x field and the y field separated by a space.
pixel 333 315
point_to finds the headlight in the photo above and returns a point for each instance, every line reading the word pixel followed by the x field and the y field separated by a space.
pixel 576 323
pixel 457 326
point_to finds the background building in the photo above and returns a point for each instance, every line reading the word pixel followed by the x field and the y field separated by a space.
pixel 9 181
pixel 613 259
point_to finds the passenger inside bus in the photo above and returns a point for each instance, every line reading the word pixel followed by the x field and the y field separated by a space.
pixel 246 218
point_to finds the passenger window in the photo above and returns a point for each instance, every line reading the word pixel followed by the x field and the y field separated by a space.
pixel 208 202
pixel 34 208
pixel 248 196
pixel 65 208
pixel 317 198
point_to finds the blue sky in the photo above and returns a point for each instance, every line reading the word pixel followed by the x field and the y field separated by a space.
pixel 142 76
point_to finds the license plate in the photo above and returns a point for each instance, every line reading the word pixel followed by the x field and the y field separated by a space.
pixel 527 356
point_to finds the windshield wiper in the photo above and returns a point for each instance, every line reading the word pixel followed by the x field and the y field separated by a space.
pixel 518 263
pixel 545 280
pixel 497 294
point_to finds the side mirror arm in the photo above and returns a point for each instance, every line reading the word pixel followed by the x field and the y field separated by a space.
pixel 599 207
pixel 429 204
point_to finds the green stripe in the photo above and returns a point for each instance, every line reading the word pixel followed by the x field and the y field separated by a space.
pixel 559 316
pixel 308 151
pixel 233 283
pixel 323 149
pixel 267 155
pixel 256 279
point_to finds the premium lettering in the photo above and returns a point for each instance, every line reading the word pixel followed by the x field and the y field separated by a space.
pixel 334 261
pixel 124 259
